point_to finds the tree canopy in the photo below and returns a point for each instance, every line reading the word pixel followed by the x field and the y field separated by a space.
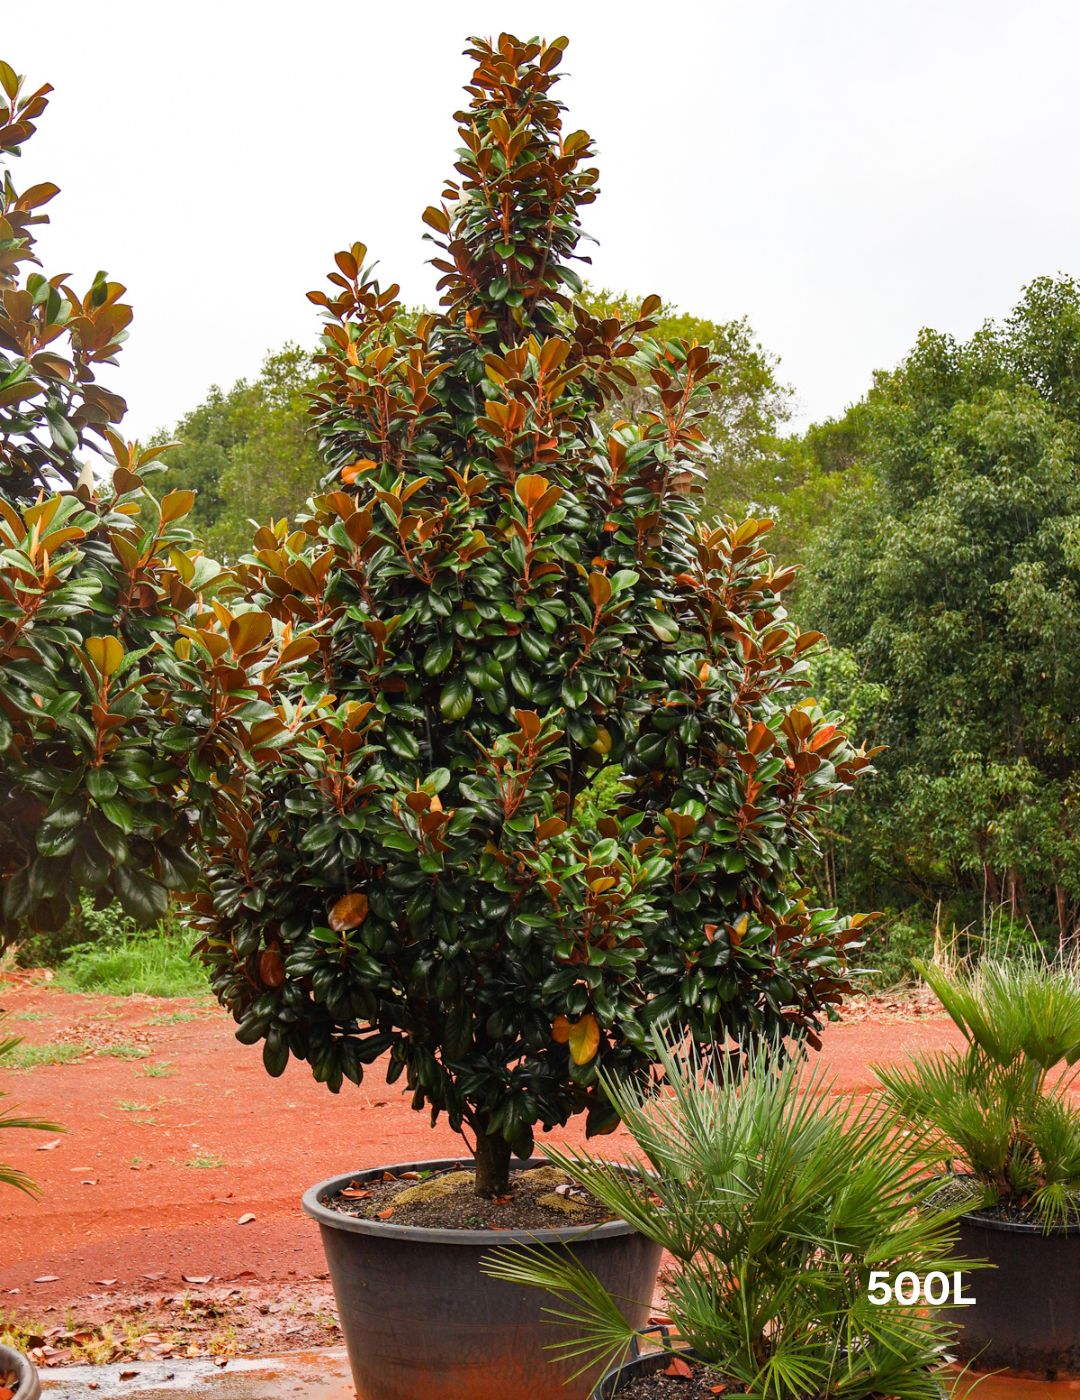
pixel 250 452
pixel 492 600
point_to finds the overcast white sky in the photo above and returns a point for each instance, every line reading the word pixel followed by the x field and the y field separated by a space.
pixel 840 171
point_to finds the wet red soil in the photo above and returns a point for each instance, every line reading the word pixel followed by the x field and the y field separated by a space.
pixel 154 1173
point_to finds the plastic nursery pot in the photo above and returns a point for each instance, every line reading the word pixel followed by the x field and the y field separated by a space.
pixel 618 1381
pixel 28 1386
pixel 420 1318
pixel 1027 1310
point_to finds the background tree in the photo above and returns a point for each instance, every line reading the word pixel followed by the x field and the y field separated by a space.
pixel 950 571
pixel 248 453
pixel 506 601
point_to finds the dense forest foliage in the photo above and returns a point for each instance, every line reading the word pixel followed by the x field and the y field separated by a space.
pixel 948 571
pixel 938 525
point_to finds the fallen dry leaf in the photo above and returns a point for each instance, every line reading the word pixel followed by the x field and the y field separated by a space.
pixel 246 1219
pixel 197 1278
pixel 221 1360
pixel 717 1389
pixel 48 1146
pixel 48 1278
pixel 386 1176
pixel 6 1394
pixel 152 1277
pixel 105 1282
pixel 350 1195
pixel 386 1214
pixel 127 1375
pixel 679 1367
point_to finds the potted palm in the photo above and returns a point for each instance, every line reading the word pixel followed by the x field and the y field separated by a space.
pixel 499 604
pixel 1001 1109
pixel 18 1375
pixel 776 1199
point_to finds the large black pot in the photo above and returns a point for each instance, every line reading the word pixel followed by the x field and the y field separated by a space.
pixel 1027 1310
pixel 28 1386
pixel 420 1318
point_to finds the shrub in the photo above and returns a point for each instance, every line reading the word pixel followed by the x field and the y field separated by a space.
pixel 775 1198
pixel 94 793
pixel 994 1104
pixel 51 338
pixel 891 950
pixel 504 604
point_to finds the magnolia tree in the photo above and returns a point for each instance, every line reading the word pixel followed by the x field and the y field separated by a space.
pixel 497 604
pixel 119 745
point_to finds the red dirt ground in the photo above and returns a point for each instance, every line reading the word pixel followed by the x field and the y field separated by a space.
pixel 124 1198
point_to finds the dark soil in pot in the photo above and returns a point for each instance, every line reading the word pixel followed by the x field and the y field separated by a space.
pixel 962 1187
pixel 649 1377
pixel 539 1198
pixel 421 1318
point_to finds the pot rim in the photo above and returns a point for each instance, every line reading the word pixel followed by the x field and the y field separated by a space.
pixel 311 1204
pixel 27 1385
pixel 634 1364
pixel 1008 1227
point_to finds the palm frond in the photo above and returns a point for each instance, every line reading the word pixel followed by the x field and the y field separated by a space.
pixel 994 1103
pixel 12 1176
pixel 776 1197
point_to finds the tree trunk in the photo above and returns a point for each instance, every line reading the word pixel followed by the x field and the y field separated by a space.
pixel 1061 904
pixel 492 1163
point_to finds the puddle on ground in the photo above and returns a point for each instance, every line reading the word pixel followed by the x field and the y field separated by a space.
pixel 324 1375
pixel 318 1375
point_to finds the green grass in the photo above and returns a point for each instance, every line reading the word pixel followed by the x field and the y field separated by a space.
pixel 154 962
pixel 31 1056
pixel 206 1161
pixel 129 1107
pixel 174 1018
pixel 159 1071
pixel 27 1015
pixel 124 1051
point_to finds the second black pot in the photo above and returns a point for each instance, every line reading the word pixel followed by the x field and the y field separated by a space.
pixel 421 1318
pixel 1027 1311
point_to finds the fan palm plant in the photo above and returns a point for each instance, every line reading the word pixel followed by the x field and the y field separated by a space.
pixel 11 1176
pixel 1000 1104
pixel 776 1198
